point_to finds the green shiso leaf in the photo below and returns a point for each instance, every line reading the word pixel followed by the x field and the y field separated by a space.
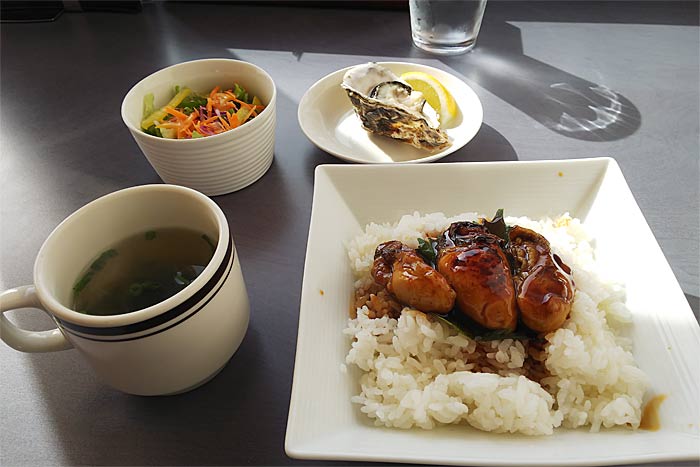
pixel 497 226
pixel 452 324
pixel 427 250
pixel 470 328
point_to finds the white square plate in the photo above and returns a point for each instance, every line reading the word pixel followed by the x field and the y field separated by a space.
pixel 323 424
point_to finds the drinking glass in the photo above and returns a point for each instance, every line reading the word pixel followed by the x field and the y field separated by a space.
pixel 446 27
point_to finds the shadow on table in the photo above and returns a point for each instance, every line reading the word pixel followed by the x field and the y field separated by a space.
pixel 167 430
pixel 562 102
pixel 487 145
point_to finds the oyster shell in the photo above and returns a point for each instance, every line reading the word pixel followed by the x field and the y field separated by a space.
pixel 389 107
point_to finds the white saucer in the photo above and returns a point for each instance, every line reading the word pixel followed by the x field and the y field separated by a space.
pixel 327 118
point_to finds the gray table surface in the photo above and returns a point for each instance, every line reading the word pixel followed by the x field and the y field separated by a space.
pixel 63 144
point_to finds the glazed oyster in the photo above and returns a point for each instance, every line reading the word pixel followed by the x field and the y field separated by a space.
pixel 388 106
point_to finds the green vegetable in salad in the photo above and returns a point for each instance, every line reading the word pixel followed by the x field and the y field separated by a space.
pixel 160 114
pixel 189 115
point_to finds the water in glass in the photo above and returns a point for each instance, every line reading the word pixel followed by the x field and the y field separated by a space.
pixel 446 26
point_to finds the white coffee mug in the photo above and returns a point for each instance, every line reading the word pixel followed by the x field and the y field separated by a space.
pixel 171 347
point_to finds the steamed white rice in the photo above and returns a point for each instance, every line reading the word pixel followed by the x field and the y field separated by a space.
pixel 419 372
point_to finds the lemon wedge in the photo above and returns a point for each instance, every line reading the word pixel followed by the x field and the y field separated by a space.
pixel 435 94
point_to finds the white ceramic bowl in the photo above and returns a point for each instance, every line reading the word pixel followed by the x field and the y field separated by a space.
pixel 218 164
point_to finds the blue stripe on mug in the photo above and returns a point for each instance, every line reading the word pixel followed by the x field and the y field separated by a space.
pixel 169 315
pixel 141 336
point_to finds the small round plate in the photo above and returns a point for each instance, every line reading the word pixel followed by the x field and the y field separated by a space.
pixel 328 119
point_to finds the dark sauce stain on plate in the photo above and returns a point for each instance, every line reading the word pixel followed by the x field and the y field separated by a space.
pixel 650 415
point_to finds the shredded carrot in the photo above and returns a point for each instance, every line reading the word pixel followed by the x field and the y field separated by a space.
pixel 220 114
pixel 243 103
pixel 224 123
pixel 175 113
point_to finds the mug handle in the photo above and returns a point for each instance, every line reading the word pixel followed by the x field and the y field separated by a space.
pixel 21 339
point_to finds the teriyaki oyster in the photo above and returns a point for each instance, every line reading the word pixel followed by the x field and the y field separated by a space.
pixel 389 106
